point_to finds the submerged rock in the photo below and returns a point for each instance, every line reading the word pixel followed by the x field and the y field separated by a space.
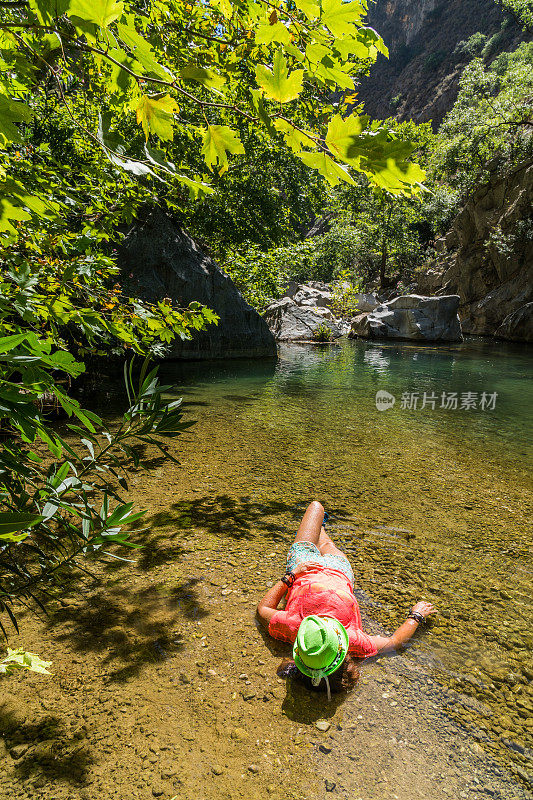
pixel 161 260
pixel 430 319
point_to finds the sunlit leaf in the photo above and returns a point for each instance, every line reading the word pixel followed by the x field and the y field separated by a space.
pixel 340 17
pixel 266 33
pixel 155 115
pixel 341 135
pixel 332 172
pixel 207 77
pixel 218 141
pixel 296 139
pixel 277 83
pixel 101 12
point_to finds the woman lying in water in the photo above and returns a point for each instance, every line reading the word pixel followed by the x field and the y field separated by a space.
pixel 321 616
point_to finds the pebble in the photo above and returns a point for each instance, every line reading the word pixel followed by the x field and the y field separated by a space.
pixel 330 786
pixel 239 734
pixel 216 769
pixel 253 768
pixel 157 790
pixel 322 725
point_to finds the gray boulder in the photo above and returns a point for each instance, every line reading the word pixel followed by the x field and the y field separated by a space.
pixel 366 302
pixel 291 322
pixel 159 259
pixel 311 297
pixel 430 319
pixel 518 326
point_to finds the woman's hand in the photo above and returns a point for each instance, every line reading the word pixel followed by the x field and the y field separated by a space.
pixel 424 608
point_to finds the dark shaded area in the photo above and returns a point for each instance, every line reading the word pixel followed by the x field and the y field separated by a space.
pixel 45 748
pixel 136 627
pixel 236 518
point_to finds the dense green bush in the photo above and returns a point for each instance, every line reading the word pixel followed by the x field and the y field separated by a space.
pixel 490 123
pixel 472 46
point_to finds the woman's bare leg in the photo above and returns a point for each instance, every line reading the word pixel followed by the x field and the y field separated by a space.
pixel 326 545
pixel 311 524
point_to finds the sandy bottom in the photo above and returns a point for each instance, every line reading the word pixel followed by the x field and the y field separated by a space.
pixel 164 686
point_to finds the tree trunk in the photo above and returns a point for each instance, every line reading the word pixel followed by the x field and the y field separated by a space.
pixel 383 265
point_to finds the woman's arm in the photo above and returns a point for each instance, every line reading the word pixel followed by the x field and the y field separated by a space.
pixel 268 605
pixel 384 644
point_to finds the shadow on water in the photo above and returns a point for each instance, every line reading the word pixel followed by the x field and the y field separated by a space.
pixel 46 749
pixel 221 514
pixel 136 627
pixel 128 626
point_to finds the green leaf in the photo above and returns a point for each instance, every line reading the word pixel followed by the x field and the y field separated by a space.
pixel 331 72
pixel 352 47
pixel 267 33
pixel 48 10
pixel 339 16
pixel 207 77
pixel 295 139
pixel 13 521
pixel 20 659
pixel 277 83
pixel 397 177
pixel 309 8
pixel 218 140
pixel 142 50
pixel 12 111
pixel 341 135
pixel 10 212
pixel 101 12
pixel 155 115
pixel 7 343
pixel 315 52
pixel 259 106
pixel 331 171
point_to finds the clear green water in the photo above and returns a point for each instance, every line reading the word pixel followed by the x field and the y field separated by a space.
pixel 428 503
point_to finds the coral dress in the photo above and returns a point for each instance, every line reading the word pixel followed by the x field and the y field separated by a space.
pixel 325 592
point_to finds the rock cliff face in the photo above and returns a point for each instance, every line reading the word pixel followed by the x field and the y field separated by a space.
pixel 420 79
pixel 487 259
pixel 161 260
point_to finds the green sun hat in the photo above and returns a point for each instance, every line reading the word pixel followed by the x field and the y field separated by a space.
pixel 321 646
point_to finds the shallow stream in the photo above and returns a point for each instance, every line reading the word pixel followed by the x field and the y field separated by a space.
pixel 163 685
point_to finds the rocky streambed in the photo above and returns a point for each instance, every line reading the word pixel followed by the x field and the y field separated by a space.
pixel 163 685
